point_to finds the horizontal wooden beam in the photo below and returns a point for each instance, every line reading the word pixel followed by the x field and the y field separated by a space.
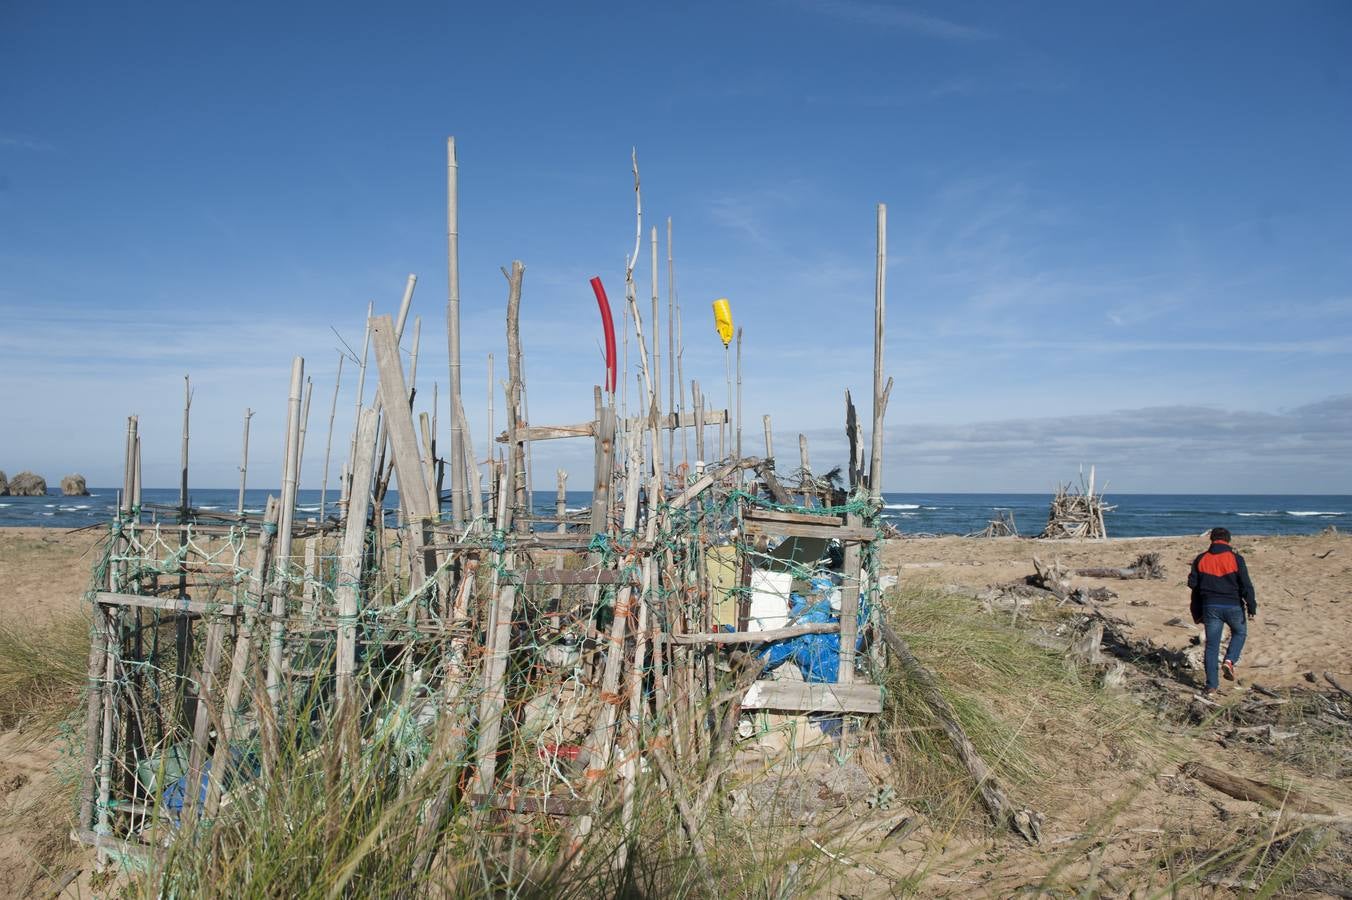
pixel 806 697
pixel 173 604
pixel 575 576
pixel 522 803
pixel 794 529
pixel 755 513
pixel 588 429
pixel 755 637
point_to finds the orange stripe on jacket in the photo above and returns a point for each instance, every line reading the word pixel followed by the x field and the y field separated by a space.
pixel 1218 564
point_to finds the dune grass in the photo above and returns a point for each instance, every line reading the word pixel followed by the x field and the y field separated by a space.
pixel 42 671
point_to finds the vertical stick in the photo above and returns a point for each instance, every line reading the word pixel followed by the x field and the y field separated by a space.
pixel 453 328
pixel 656 387
pixel 697 401
pixel 875 475
pixel 671 348
pixel 328 442
pixel 405 303
pixel 517 455
pixel 769 439
pixel 739 393
pixel 680 381
pixel 304 427
pixel 604 465
pixel 347 594
pixel 284 526
pixel 495 668
pixel 244 463
pixel 492 436
pixel 413 359
pixel 804 465
pixel 361 380
pixel 183 642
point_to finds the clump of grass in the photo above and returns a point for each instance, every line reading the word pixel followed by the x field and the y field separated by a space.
pixel 1028 712
pixel 42 671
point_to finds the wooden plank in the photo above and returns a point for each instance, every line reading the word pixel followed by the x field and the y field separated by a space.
pixel 173 604
pixel 398 420
pixel 755 637
pixel 829 532
pixel 805 697
pixel 603 469
pixel 576 576
pixel 668 422
pixel 755 513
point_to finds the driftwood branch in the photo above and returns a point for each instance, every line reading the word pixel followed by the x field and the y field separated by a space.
pixel 1254 791
pixel 996 801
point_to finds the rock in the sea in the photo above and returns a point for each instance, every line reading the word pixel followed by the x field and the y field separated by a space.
pixel 26 484
pixel 4 485
pixel 74 486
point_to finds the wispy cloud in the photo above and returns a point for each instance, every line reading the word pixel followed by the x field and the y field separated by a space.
pixel 24 142
pixel 886 15
pixel 1185 448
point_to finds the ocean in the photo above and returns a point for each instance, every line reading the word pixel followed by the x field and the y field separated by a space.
pixel 1136 515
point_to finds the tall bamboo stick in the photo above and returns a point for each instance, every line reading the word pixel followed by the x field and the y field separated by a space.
pixel 405 303
pixel 348 592
pixel 361 380
pixel 875 475
pixel 656 388
pixel 285 519
pixel 453 329
pixel 739 394
pixel 244 463
pixel 304 427
pixel 671 347
pixel 328 442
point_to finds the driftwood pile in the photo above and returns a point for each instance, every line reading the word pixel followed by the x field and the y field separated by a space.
pixel 1077 513
pixel 1001 525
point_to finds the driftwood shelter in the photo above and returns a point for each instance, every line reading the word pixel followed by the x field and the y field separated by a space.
pixel 537 656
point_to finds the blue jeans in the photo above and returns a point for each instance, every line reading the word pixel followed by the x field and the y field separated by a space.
pixel 1215 618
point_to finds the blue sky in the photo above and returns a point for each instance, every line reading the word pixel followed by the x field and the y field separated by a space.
pixel 1118 233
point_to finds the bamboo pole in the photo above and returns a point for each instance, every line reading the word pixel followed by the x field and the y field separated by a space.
pixel 804 465
pixel 405 304
pixel 361 380
pixel 304 427
pixel 769 439
pixel 285 519
pixel 656 387
pixel 453 329
pixel 671 345
pixel 244 463
pixel 328 442
pixel 347 594
pixel 697 400
pixel 739 393
pixel 875 475
pixel 413 359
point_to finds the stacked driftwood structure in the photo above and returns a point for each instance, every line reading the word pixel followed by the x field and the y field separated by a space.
pixel 1077 513
pixel 539 657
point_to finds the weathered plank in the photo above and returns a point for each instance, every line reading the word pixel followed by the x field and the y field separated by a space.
pixel 398 420
pixel 801 696
pixel 829 532
pixel 173 604
pixel 773 515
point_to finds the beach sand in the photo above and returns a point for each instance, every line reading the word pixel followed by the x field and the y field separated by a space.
pixel 1304 587
pixel 1303 584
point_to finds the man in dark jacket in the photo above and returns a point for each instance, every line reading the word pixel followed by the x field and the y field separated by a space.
pixel 1221 595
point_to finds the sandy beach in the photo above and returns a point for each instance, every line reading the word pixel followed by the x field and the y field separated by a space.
pixel 1303 584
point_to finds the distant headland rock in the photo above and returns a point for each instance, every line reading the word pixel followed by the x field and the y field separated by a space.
pixel 4 485
pixel 74 486
pixel 26 484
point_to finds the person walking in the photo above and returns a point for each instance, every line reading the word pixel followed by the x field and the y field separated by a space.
pixel 1222 595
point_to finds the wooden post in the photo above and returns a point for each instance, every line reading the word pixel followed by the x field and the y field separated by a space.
pixel 516 451
pixel 328 442
pixel 769 439
pixel 244 463
pixel 453 328
pixel 284 532
pixel 855 435
pixel 183 637
pixel 604 466
pixel 405 304
pixel 413 359
pixel 495 671
pixel 347 594
pixel 875 475
pixel 491 472
pixel 304 427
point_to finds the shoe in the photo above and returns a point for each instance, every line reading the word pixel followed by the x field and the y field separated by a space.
pixel 1228 670
pixel 1211 693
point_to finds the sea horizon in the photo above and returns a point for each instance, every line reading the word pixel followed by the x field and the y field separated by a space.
pixel 1134 514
